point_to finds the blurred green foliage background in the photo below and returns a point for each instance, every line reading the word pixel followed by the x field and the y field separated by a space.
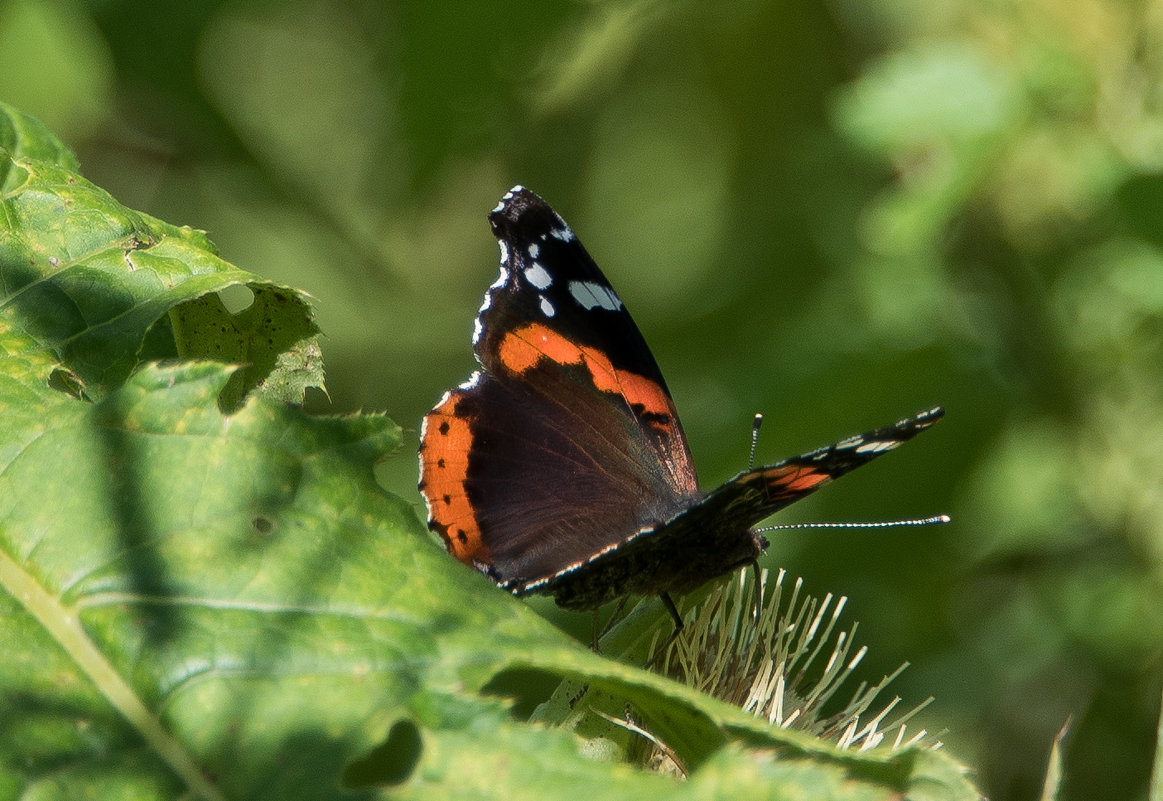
pixel 834 213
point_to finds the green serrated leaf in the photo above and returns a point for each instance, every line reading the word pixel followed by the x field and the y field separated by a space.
pixel 273 337
pixel 88 280
pixel 25 137
pixel 195 571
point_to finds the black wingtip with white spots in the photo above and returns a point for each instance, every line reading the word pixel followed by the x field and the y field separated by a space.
pixel 919 422
pixel 849 453
pixel 522 212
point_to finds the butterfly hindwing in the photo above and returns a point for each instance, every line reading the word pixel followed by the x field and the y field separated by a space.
pixel 714 536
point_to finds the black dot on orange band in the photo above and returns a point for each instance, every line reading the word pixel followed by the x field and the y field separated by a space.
pixel 444 427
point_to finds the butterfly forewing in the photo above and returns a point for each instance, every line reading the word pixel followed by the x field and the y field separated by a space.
pixel 568 439
pixel 551 305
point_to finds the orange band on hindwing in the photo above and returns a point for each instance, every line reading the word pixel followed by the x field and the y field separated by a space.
pixel 794 480
pixel 445 443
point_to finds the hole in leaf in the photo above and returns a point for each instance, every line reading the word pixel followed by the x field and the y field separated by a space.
pixel 236 298
pixel 263 524
pixel 391 762
pixel 317 401
pixel 68 382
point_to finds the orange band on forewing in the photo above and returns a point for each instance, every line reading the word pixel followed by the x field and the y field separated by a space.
pixel 521 350
pixel 444 451
pixel 644 392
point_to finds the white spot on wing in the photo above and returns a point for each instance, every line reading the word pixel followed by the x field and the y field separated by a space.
pixel 547 307
pixel 878 446
pixel 590 296
pixel 508 196
pixel 534 250
pixel 470 382
pixel 538 276
pixel 563 233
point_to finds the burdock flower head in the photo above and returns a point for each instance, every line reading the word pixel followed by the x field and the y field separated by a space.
pixel 784 660
pixel 753 643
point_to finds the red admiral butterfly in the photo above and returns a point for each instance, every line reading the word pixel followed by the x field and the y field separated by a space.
pixel 561 468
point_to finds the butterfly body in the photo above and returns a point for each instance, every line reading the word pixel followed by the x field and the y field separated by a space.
pixel 560 467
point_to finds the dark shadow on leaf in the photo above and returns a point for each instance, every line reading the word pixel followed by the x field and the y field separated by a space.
pixel 126 471
pixel 525 688
pixel 26 753
pixel 305 765
pixel 389 763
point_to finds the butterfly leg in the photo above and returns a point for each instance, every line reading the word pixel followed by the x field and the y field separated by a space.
pixel 674 615
pixel 678 627
pixel 609 622
pixel 758 574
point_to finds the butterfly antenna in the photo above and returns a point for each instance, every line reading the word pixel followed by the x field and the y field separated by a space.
pixel 755 426
pixel 920 521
